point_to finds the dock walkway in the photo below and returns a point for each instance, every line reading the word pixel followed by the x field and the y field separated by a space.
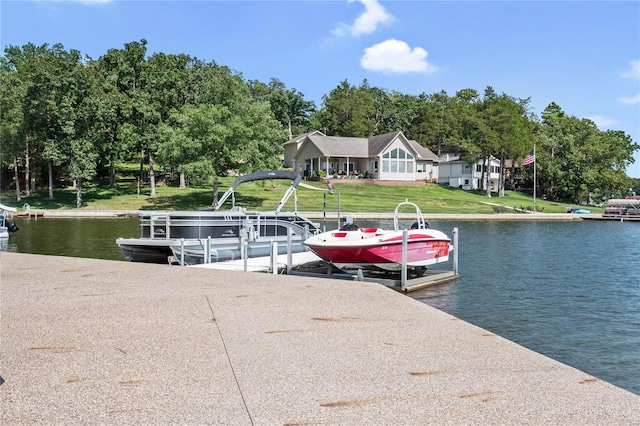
pixel 88 341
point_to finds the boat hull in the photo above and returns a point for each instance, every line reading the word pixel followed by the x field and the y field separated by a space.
pixel 382 250
pixel 135 250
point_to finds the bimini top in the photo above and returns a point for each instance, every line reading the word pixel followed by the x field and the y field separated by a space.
pixel 8 209
pixel 623 202
pixel 266 175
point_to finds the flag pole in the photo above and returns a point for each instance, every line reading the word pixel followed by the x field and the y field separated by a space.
pixel 535 161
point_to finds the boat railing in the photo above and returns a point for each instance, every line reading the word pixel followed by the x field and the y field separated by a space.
pixel 166 227
pixel 420 223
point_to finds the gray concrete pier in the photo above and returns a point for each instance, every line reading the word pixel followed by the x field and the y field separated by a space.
pixel 87 341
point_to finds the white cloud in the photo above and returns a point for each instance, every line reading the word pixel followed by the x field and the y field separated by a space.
pixel 602 122
pixel 395 57
pixel 630 100
pixel 634 70
pixel 373 15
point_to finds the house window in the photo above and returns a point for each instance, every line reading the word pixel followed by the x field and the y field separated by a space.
pixel 348 167
pixel 421 168
pixel 478 167
pixel 397 161
pixel 328 166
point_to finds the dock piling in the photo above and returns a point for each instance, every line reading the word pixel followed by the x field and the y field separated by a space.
pixel 289 249
pixel 403 276
pixel 274 257
pixel 455 251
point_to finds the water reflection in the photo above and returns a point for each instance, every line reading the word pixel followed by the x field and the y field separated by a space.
pixel 5 245
pixel 443 297
pixel 75 237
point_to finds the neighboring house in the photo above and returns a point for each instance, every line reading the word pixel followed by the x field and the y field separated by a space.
pixel 453 171
pixel 384 157
pixel 517 177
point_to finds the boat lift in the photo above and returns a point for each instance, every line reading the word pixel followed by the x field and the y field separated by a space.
pixel 310 265
pixel 407 281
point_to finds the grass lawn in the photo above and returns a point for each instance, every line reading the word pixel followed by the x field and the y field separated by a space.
pixel 354 198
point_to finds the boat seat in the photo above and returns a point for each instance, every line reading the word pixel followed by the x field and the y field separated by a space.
pixel 415 225
pixel 350 227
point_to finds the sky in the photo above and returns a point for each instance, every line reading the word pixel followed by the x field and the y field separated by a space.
pixel 582 55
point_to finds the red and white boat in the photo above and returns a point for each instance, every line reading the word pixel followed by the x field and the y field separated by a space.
pixel 352 247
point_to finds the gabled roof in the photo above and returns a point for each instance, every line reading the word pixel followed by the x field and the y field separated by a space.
pixel 378 143
pixel 423 152
pixel 334 146
pixel 300 137
pixel 339 146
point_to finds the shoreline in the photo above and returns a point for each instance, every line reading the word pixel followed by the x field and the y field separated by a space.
pixel 42 213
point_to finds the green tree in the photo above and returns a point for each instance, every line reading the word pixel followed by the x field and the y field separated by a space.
pixel 349 111
pixel 22 62
pixel 287 105
pixel 609 158
pixel 466 122
pixel 166 81
pixel 116 76
pixel 55 89
pixel 12 92
pixel 192 138
pixel 434 124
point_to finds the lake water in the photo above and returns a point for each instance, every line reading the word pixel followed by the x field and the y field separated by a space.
pixel 568 290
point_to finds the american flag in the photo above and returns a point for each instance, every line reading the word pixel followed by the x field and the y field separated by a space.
pixel 530 158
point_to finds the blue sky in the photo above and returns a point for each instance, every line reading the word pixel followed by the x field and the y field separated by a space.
pixel 583 55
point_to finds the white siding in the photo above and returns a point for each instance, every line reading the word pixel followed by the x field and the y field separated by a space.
pixel 397 162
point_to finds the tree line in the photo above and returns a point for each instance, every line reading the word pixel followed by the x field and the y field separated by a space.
pixel 64 115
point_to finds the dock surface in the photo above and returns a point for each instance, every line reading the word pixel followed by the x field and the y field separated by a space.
pixel 86 341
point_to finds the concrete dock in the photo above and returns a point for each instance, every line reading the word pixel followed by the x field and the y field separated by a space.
pixel 87 341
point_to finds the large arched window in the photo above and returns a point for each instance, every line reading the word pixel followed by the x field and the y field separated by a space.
pixel 397 161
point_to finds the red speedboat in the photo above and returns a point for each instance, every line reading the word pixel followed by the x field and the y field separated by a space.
pixel 353 247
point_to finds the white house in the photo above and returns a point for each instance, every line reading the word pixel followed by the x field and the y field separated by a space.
pixel 384 157
pixel 453 171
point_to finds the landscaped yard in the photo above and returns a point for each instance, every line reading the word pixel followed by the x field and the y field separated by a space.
pixel 265 195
